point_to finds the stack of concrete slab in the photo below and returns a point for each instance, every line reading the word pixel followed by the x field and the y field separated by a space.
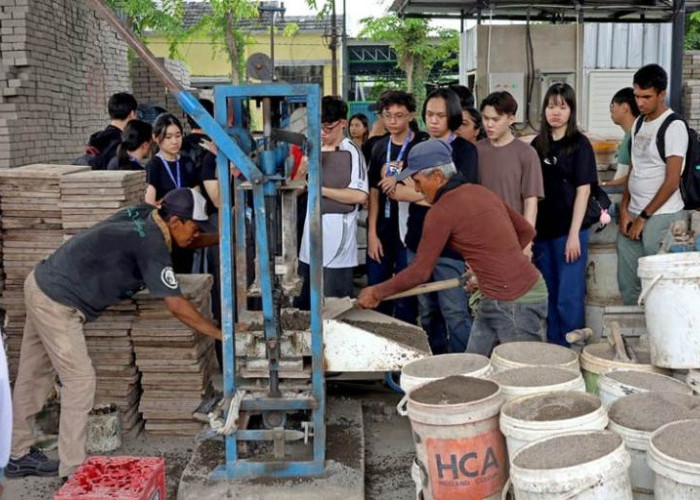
pixel 112 354
pixel 32 229
pixel 89 197
pixel 176 362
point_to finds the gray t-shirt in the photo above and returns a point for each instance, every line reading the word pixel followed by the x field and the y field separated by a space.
pixel 110 262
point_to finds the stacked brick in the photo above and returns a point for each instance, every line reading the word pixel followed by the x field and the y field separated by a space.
pixel 32 229
pixel 60 64
pixel 149 90
pixel 176 363
pixel 112 353
pixel 691 88
pixel 89 197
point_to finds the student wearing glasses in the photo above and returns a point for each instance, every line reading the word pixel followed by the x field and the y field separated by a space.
pixel 339 229
pixel 387 218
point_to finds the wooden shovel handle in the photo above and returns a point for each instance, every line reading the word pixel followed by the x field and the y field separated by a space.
pixel 435 286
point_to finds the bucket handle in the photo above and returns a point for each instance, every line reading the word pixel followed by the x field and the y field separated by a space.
pixel 402 407
pixel 645 292
pixel 506 490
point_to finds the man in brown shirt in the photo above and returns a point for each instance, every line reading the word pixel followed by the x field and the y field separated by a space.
pixel 507 166
pixel 489 235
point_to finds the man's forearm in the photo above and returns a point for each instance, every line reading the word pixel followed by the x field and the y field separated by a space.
pixel 530 210
pixel 204 240
pixel 405 193
pixel 185 312
pixel 348 196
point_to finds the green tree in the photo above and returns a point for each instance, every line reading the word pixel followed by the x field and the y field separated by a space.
pixel 164 17
pixel 222 26
pixel 692 32
pixel 419 47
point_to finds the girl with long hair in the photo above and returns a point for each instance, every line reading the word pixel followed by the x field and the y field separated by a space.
pixel 561 246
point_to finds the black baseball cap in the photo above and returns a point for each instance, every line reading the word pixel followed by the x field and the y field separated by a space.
pixel 185 203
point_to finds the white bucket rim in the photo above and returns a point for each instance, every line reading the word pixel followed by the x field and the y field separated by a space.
pixel 597 365
pixel 668 466
pixel 615 387
pixel 685 265
pixel 616 462
pixel 458 413
pixel 505 363
pixel 575 377
pixel 440 357
pixel 526 429
pixel 633 438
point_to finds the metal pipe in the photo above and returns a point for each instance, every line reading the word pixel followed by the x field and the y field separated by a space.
pixel 676 97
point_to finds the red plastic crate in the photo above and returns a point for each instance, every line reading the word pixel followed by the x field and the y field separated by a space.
pixel 116 478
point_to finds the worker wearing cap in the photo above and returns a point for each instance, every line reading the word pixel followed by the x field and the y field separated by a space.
pixel 93 270
pixel 489 235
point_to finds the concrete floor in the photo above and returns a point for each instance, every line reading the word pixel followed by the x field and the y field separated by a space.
pixel 388 451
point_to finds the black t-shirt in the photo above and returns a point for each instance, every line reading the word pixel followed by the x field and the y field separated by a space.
pixel 388 227
pixel 208 173
pixel 110 262
pixel 369 144
pixel 204 162
pixel 562 173
pixel 465 158
pixel 105 143
pixel 131 165
pixel 158 177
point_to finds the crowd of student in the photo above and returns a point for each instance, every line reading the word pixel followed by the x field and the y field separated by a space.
pixel 547 180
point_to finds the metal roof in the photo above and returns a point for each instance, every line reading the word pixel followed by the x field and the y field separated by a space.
pixel 545 10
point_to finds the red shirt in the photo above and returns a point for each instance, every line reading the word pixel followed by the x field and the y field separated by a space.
pixel 488 234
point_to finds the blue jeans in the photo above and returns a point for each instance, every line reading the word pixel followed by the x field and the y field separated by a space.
pixel 566 284
pixel 444 315
pixel 503 321
pixel 392 262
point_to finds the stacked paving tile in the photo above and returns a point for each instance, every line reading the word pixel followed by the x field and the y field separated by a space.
pixel 691 88
pixel 176 362
pixel 32 229
pixel 112 354
pixel 89 197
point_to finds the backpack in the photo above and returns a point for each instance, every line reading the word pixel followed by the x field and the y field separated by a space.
pixel 690 178
pixel 597 209
pixel 97 159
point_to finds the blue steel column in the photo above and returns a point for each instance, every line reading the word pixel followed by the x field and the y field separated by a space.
pixel 313 114
pixel 226 269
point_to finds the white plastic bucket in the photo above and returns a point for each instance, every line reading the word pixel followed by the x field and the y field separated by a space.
pixel 420 372
pixel 558 468
pixel 634 418
pixel 531 418
pixel 675 477
pixel 615 384
pixel 458 442
pixel 599 358
pixel 520 354
pixel 528 380
pixel 671 294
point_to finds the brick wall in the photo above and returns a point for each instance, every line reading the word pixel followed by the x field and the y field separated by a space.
pixel 59 65
pixel 150 90
pixel 691 88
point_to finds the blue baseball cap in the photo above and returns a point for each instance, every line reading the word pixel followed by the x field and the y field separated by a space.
pixel 425 155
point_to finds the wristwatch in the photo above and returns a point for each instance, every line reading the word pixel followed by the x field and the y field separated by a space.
pixel 644 215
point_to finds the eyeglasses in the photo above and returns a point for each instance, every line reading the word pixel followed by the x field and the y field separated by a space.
pixel 329 128
pixel 395 116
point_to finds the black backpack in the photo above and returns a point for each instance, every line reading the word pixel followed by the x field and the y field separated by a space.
pixel 690 178
pixel 98 159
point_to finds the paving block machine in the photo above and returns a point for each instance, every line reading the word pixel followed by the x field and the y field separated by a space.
pixel 275 359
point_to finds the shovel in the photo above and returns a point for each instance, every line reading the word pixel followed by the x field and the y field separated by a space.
pixel 334 307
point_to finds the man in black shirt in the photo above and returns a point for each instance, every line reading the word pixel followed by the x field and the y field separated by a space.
pixel 110 262
pixel 102 145
pixel 386 219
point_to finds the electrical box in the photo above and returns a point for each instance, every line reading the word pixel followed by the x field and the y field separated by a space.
pixel 549 78
pixel 514 83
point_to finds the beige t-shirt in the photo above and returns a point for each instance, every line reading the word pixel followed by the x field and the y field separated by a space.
pixel 512 171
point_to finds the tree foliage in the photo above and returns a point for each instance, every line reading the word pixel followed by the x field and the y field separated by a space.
pixel 419 47
pixel 692 32
pixel 164 17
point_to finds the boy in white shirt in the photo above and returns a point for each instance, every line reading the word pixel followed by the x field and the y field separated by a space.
pixel 339 229
pixel 652 200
